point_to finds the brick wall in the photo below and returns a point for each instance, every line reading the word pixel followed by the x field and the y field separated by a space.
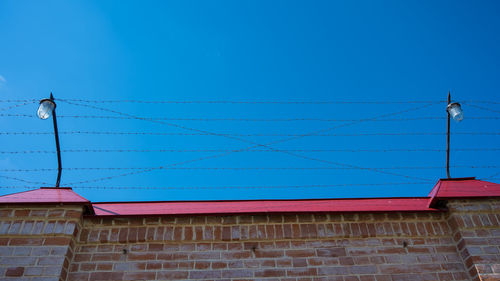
pixel 36 242
pixel 56 243
pixel 476 231
pixel 393 246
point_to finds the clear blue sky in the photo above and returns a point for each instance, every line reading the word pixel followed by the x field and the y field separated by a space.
pixel 358 51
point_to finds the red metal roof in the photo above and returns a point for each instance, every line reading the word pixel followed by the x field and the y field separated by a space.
pixel 444 189
pixel 45 195
pixel 263 206
pixel 463 188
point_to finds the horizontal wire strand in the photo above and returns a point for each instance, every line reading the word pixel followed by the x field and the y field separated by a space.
pixel 251 168
pixel 255 101
pixel 21 180
pixel 248 102
pixel 484 108
pixel 253 119
pixel 234 187
pixel 247 135
pixel 235 150
pixel 15 106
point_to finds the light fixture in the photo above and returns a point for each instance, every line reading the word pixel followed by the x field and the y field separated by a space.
pixel 455 110
pixel 46 108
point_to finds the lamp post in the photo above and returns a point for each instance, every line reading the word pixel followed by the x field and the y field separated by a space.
pixel 48 107
pixel 454 110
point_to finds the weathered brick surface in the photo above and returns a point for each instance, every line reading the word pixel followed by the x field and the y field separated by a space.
pixel 35 241
pixel 475 226
pixel 392 246
pixel 57 243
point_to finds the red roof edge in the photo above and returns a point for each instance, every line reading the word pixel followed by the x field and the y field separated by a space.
pixel 445 189
pixel 48 195
pixel 462 188
pixel 435 190
pixel 433 195
pixel 264 207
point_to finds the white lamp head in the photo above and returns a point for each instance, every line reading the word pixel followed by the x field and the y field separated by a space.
pixel 46 108
pixel 455 111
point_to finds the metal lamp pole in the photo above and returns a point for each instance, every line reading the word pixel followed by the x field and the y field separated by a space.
pixel 454 110
pixel 448 140
pixel 48 107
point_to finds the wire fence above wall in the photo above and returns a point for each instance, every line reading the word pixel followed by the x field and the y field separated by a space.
pixel 321 142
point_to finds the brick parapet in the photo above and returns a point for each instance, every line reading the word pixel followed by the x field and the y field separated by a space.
pixel 236 228
pixel 476 231
pixel 354 246
pixel 35 240
pixel 55 242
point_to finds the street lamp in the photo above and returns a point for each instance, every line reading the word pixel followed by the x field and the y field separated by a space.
pixel 48 107
pixel 455 111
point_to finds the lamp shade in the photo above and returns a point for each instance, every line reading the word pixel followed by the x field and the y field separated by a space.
pixel 45 109
pixel 455 111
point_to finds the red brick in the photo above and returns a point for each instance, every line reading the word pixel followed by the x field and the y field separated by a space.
pixel 21 213
pixel 78 276
pixel 300 253
pixel 14 271
pixel 38 213
pixel 205 274
pixel 342 270
pixel 122 237
pixel 132 235
pixel 105 266
pixel 202 265
pixel 171 275
pixel 141 256
pixel 26 241
pixel 56 213
pixel 139 276
pixel 299 262
pixel 82 257
pixel 155 247
pixel 73 214
pixel 57 241
pixel 269 253
pixel 270 273
pixel 236 255
pixel 331 252
pixel 141 234
pixel 106 257
pixel 106 276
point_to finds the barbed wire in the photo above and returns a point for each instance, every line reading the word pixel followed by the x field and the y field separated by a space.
pixel 276 142
pixel 145 170
pixel 20 100
pixel 250 101
pixel 236 150
pixel 234 187
pixel 282 135
pixel 15 106
pixel 494 175
pixel 255 101
pixel 250 168
pixel 22 180
pixel 248 135
pixel 254 144
pixel 294 119
pixel 484 108
pixel 479 101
